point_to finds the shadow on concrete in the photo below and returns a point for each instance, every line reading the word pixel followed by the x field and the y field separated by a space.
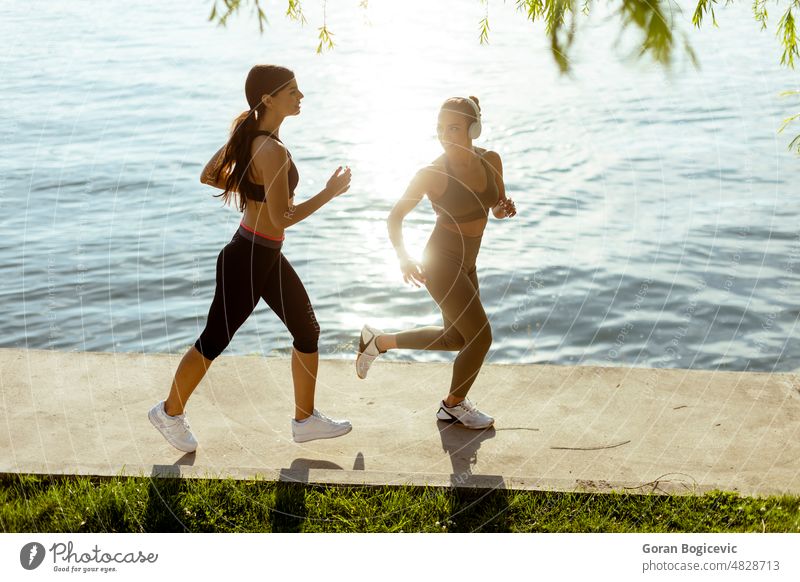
pixel 462 445
pixel 174 470
pixel 298 471
pixel 479 502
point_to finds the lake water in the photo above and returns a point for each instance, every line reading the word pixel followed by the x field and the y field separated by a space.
pixel 659 215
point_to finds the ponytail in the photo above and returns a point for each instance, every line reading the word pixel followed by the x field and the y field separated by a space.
pixel 235 161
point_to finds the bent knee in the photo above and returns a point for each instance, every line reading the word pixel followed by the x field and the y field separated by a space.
pixel 307 342
pixel 482 338
pixel 210 347
pixel 453 341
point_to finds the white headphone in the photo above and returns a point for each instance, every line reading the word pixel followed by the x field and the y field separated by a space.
pixel 475 127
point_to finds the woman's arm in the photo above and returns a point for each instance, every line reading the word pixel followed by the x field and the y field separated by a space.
pixel 419 186
pixel 209 173
pixel 272 163
pixel 505 206
pixel 413 194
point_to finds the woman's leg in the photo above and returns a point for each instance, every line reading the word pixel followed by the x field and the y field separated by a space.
pixel 445 338
pixel 304 378
pixel 234 300
pixel 190 371
pixel 287 297
pixel 459 299
pixel 466 328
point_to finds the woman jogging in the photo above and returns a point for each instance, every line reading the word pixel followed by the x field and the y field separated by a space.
pixel 255 169
pixel 462 185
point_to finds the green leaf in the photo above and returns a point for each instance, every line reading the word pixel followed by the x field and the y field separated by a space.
pixel 789 38
pixel 325 39
pixel 484 28
pixel 760 12
pixel 295 12
pixel 704 6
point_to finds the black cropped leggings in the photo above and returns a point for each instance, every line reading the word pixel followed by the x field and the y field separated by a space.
pixel 247 271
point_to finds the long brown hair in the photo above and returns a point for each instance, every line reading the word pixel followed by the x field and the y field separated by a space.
pixel 235 161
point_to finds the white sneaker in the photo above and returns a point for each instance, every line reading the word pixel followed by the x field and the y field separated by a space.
pixel 174 428
pixel 367 350
pixel 464 413
pixel 319 426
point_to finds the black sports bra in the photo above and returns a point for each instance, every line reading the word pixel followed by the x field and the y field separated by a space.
pixel 253 191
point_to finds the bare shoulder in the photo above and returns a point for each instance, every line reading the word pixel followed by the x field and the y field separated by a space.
pixel 269 158
pixel 267 149
pixel 492 157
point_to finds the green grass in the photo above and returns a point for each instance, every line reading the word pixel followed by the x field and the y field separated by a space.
pixel 84 504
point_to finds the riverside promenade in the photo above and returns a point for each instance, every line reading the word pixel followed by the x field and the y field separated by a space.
pixel 563 428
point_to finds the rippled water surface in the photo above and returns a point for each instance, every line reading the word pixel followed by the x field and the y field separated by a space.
pixel 658 222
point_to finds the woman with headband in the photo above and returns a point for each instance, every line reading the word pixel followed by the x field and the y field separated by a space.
pixel 462 185
pixel 255 169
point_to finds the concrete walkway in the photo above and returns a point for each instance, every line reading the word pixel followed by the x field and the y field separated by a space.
pixel 557 427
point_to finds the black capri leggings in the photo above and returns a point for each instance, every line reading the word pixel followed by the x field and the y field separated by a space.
pixel 250 268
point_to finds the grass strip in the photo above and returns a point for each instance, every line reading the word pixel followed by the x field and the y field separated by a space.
pixel 34 503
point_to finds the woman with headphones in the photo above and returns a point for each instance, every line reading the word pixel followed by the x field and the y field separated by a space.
pixel 462 185
pixel 255 170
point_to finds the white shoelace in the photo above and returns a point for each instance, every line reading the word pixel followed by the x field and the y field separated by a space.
pixel 318 414
pixel 467 405
pixel 181 418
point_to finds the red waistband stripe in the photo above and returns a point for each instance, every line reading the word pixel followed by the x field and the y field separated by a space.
pixel 262 235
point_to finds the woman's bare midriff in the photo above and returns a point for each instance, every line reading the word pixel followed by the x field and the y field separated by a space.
pixel 472 229
pixel 256 217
